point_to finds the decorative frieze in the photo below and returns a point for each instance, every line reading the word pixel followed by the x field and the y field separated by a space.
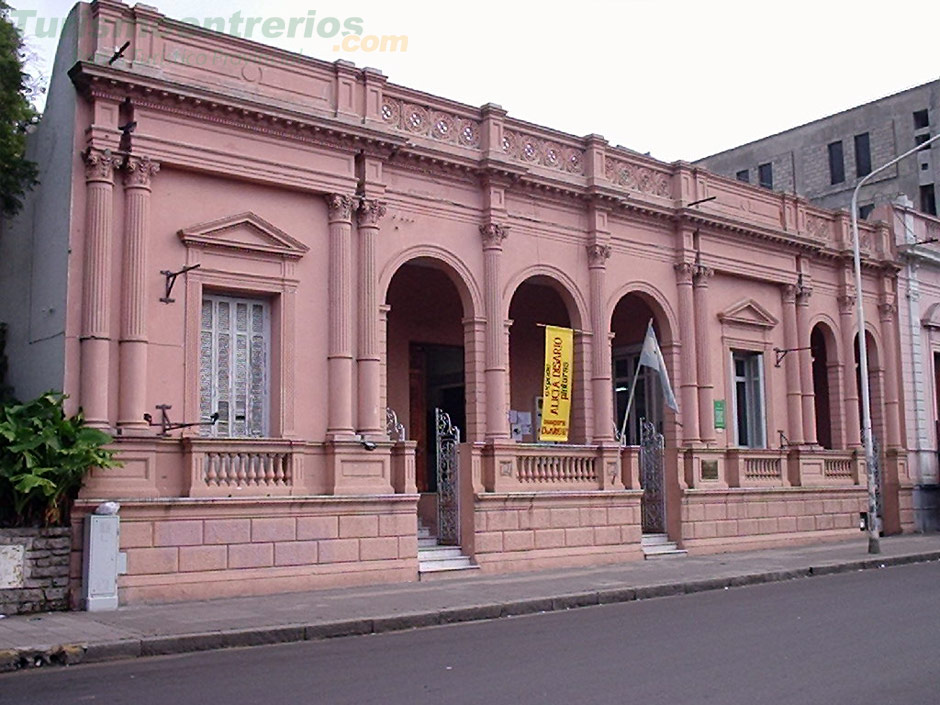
pixel 424 120
pixel 637 178
pixel 532 150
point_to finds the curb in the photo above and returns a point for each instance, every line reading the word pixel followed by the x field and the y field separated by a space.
pixel 99 652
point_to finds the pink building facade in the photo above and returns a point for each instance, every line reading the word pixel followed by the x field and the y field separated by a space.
pixel 354 248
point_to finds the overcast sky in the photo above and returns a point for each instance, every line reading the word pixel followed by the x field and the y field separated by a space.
pixel 681 80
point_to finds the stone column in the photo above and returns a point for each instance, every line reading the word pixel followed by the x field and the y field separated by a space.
pixel 892 405
pixel 95 340
pixel 132 402
pixel 688 387
pixel 600 354
pixel 497 417
pixel 806 365
pixel 369 359
pixel 791 363
pixel 852 432
pixel 703 357
pixel 339 355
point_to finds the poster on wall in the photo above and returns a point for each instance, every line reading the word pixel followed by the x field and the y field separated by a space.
pixel 556 389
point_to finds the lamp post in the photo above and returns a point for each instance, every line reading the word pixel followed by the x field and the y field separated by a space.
pixel 874 545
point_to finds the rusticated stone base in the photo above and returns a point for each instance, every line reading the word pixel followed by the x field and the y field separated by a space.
pixel 37 574
pixel 740 519
pixel 532 531
pixel 201 548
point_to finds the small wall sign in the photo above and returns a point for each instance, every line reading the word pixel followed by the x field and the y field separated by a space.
pixel 719 413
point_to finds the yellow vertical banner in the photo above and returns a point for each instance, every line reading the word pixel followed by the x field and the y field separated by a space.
pixel 556 390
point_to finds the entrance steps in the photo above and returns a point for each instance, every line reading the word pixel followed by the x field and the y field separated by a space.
pixel 659 546
pixel 436 561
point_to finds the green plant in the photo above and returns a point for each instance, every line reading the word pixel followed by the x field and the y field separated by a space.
pixel 44 456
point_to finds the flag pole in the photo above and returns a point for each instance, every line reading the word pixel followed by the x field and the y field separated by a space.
pixel 636 375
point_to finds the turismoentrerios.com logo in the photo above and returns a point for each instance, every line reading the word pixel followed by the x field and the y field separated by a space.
pixel 345 35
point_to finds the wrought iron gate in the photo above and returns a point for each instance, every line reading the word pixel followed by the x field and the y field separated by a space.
pixel 652 479
pixel 447 438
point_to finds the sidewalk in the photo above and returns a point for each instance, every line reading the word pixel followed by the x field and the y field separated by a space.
pixel 82 637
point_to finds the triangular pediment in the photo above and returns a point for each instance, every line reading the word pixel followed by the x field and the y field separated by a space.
pixel 748 313
pixel 245 232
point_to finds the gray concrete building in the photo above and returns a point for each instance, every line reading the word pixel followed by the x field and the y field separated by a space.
pixel 823 160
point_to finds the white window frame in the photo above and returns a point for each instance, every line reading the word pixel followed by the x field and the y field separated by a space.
pixel 758 408
pixel 227 425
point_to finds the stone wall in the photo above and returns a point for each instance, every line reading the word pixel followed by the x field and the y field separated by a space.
pixel 736 519
pixel 193 549
pixel 555 529
pixel 34 570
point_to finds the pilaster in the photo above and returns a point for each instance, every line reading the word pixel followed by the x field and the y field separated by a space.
pixel 369 356
pixel 805 357
pixel 688 386
pixel 791 363
pixel 703 347
pixel 132 403
pixel 847 327
pixel 95 340
pixel 497 418
pixel 340 317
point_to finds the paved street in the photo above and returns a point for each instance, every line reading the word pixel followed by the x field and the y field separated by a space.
pixel 803 641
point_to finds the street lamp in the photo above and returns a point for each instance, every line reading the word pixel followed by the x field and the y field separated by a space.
pixel 874 545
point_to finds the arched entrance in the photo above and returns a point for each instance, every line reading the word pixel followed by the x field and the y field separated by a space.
pixel 644 423
pixel 538 301
pixel 426 367
pixel 628 324
pixel 825 379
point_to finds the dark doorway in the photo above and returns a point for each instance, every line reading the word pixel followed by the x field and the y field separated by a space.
pixel 817 343
pixel 436 377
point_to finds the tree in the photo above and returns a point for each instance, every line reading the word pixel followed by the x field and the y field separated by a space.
pixel 17 174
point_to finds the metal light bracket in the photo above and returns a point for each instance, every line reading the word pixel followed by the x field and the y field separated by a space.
pixel 782 353
pixel 171 281
pixel 166 425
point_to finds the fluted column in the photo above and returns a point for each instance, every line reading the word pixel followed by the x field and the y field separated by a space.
pixel 132 396
pixel 600 349
pixel 791 363
pixel 497 417
pixel 369 359
pixel 806 365
pixel 892 405
pixel 852 432
pixel 703 326
pixel 688 388
pixel 339 355
pixel 95 337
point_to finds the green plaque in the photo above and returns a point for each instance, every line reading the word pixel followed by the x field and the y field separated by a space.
pixel 719 413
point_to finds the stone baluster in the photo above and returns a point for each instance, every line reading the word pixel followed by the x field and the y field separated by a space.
pixel 369 356
pixel 95 339
pixel 132 402
pixel 339 355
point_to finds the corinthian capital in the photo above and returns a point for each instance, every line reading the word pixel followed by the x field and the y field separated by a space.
pixel 340 207
pixel 99 165
pixel 846 303
pixel 789 291
pixel 493 234
pixel 138 171
pixel 598 254
pixel 370 212
pixel 684 272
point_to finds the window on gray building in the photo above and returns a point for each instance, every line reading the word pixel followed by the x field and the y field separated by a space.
pixel 765 175
pixel 865 211
pixel 836 163
pixel 920 119
pixel 743 175
pixel 862 155
pixel 928 199
pixel 920 139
